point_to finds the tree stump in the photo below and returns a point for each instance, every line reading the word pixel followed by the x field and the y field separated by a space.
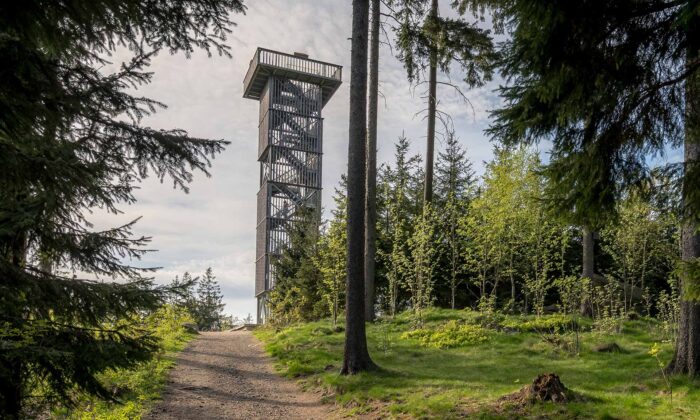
pixel 546 387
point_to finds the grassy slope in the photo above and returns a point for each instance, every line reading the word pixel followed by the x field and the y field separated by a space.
pixel 426 382
pixel 136 389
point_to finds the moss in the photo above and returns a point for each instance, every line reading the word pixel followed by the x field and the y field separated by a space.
pixel 551 323
pixel 450 334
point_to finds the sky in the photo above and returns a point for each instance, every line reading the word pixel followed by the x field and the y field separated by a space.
pixel 214 224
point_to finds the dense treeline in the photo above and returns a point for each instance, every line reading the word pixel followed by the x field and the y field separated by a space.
pixel 488 243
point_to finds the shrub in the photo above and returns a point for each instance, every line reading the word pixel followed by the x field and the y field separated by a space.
pixel 573 291
pixel 450 334
pixel 552 323
pixel 668 307
pixel 136 387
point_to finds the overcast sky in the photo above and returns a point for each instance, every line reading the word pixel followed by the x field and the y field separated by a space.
pixel 214 225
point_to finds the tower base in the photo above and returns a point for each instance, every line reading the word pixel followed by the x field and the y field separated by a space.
pixel 263 313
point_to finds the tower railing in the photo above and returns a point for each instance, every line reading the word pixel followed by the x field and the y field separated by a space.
pixel 292 62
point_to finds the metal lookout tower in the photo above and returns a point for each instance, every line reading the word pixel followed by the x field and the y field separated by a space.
pixel 292 90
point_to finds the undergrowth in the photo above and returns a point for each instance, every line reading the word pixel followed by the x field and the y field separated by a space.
pixel 450 334
pixel 135 389
pixel 460 363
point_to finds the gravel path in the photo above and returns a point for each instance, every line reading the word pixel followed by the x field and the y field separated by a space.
pixel 226 375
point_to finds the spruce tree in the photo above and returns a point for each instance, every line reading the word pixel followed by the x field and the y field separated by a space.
pixel 72 139
pixel 210 306
pixel 401 192
pixel 371 172
pixel 356 355
pixel 609 83
pixel 297 294
pixel 426 40
pixel 454 188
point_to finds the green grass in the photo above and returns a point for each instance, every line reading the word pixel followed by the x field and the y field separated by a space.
pixel 421 381
pixel 136 389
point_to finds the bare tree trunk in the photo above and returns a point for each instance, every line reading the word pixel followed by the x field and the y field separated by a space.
pixel 11 384
pixel 11 389
pixel 687 356
pixel 432 105
pixel 371 197
pixel 588 263
pixel 356 356
pixel 512 278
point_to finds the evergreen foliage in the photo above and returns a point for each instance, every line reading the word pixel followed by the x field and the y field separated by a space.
pixel 419 34
pixel 609 84
pixel 72 139
pixel 209 310
pixel 297 294
pixel 332 255
pixel 454 190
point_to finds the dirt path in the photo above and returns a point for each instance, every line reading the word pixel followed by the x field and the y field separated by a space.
pixel 226 375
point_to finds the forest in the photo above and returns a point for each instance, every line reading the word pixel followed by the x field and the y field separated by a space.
pixel 562 281
pixel 489 244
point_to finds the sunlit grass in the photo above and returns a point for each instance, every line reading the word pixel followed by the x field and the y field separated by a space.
pixel 421 381
pixel 136 389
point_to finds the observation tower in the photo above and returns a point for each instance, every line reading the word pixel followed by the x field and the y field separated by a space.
pixel 292 90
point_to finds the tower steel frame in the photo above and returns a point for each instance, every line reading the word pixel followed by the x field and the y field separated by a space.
pixel 292 90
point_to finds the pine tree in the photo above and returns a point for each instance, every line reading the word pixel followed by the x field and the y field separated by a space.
pixel 71 139
pixel 356 355
pixel 297 295
pixel 424 39
pixel 209 307
pixel 454 188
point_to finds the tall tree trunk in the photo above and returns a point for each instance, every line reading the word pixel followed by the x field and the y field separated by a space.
pixel 11 390
pixel 11 374
pixel 588 263
pixel 371 197
pixel 687 356
pixel 356 356
pixel 432 105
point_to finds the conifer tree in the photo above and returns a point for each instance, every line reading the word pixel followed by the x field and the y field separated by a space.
pixel 72 139
pixel 401 192
pixel 454 188
pixel 210 306
pixel 609 83
pixel 184 292
pixel 356 355
pixel 424 39
pixel 297 295
pixel 371 174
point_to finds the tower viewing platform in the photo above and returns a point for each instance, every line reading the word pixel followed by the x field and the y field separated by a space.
pixel 292 90
pixel 297 66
